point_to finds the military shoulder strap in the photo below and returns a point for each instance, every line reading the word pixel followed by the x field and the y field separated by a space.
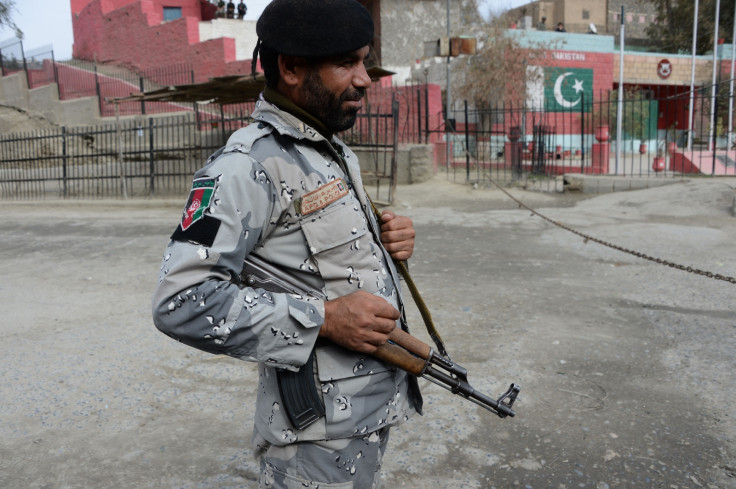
pixel 403 269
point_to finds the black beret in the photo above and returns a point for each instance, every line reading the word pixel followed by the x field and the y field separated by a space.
pixel 315 27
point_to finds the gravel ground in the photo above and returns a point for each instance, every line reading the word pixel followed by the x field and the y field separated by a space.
pixel 624 364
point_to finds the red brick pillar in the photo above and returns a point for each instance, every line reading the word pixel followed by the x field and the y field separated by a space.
pixel 600 154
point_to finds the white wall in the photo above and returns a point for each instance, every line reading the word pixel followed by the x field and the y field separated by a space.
pixel 243 31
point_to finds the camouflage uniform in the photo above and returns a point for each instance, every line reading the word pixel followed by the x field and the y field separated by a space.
pixel 280 190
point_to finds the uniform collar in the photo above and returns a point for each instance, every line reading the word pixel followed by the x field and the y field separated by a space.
pixel 282 102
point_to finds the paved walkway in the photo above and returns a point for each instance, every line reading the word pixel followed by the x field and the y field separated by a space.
pixel 626 366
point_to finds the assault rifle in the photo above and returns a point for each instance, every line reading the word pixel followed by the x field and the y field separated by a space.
pixel 298 391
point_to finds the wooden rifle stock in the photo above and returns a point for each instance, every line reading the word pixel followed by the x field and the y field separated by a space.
pixel 405 351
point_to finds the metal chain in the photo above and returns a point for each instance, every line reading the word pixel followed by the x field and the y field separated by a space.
pixel 586 238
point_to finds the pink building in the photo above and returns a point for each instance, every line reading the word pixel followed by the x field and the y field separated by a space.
pixel 144 34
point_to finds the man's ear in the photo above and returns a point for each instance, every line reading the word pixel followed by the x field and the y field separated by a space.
pixel 289 69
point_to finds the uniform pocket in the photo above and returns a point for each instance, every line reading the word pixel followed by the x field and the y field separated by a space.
pixel 347 257
pixel 337 225
pixel 359 392
pixel 335 363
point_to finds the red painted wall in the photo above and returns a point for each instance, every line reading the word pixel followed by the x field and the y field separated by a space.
pixel 567 122
pixel 130 33
pixel 190 8
pixel 134 36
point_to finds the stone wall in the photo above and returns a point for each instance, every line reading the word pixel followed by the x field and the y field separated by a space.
pixel 44 102
pixel 415 162
pixel 638 15
pixel 407 24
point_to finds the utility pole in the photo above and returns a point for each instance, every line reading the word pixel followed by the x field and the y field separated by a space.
pixel 712 132
pixel 619 108
pixel 730 89
pixel 449 96
pixel 692 80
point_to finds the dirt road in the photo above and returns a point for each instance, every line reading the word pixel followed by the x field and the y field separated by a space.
pixel 625 365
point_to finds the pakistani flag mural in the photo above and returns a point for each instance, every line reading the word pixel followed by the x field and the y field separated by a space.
pixel 568 89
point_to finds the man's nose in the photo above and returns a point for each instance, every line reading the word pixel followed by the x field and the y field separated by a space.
pixel 361 78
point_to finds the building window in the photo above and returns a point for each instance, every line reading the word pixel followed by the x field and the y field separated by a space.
pixel 586 14
pixel 172 13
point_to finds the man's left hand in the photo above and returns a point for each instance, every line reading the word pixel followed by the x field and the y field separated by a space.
pixel 397 235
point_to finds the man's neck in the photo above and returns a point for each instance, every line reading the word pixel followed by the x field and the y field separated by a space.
pixel 284 103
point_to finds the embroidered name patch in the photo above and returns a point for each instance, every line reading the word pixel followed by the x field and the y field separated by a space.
pixel 199 200
pixel 323 196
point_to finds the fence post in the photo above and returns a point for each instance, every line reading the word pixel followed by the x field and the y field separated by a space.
pixel 56 74
pixel 419 115
pixel 143 103
pixel 467 145
pixel 152 169
pixel 123 183
pixel 223 141
pixel 582 131
pixel 194 104
pixel 25 66
pixel 394 162
pixel 426 113
pixel 63 161
pixel 99 93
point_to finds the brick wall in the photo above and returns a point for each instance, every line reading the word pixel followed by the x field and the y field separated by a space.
pixel 641 69
pixel 190 8
pixel 134 36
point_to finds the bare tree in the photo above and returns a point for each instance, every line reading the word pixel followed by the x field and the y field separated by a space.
pixel 7 7
pixel 499 71
pixel 674 30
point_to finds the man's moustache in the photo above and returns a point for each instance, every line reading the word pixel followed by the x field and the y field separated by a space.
pixel 353 96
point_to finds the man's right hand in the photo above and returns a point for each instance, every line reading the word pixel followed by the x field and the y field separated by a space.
pixel 359 321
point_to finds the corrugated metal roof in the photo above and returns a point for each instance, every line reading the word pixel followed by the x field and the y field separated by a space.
pixel 222 90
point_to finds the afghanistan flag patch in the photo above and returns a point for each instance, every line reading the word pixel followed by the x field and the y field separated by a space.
pixel 199 201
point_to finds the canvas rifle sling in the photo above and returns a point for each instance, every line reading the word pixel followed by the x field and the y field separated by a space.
pixel 401 266
pixel 423 309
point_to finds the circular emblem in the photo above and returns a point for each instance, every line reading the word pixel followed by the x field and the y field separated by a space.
pixel 664 69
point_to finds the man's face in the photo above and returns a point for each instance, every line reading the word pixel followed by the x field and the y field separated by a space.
pixel 332 91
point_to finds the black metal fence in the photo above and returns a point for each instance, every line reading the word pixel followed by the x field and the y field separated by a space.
pixel 157 156
pixel 79 78
pixel 12 57
pixel 144 157
pixel 508 143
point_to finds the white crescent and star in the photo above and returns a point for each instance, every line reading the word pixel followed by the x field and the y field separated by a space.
pixel 577 86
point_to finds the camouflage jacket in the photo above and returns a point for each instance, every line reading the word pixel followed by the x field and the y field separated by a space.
pixel 278 190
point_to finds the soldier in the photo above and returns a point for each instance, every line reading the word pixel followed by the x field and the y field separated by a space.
pixel 286 189
pixel 242 10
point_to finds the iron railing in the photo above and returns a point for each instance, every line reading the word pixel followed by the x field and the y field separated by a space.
pixel 157 156
pixel 506 143
pixel 134 158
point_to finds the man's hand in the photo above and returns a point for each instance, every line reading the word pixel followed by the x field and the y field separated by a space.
pixel 397 235
pixel 359 321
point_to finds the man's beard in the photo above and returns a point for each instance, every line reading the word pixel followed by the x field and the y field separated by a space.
pixel 326 106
